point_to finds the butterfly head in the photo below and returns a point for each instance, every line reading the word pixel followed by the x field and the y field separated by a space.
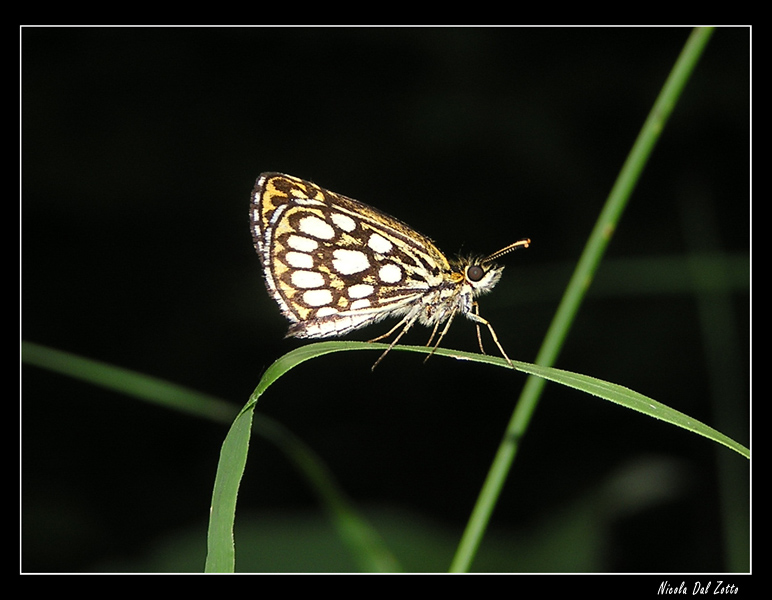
pixel 482 274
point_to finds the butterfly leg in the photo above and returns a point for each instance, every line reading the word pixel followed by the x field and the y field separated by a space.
pixel 474 316
pixel 477 327
pixel 434 332
pixel 439 339
pixel 407 322
pixel 388 333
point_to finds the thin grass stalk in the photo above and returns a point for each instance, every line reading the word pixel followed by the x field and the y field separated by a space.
pixel 577 288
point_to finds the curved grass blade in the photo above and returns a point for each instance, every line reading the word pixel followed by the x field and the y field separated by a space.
pixel 137 385
pixel 221 557
pixel 221 554
pixel 606 390
pixel 364 544
pixel 635 401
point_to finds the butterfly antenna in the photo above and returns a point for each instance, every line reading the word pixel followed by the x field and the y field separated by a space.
pixel 524 243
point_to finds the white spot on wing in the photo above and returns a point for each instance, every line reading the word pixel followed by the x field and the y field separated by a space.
pixel 360 290
pixel 307 279
pixel 299 260
pixel 345 222
pixel 379 244
pixel 357 304
pixel 317 228
pixel 390 273
pixel 304 244
pixel 348 262
pixel 317 297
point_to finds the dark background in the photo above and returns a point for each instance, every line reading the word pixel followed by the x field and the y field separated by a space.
pixel 139 150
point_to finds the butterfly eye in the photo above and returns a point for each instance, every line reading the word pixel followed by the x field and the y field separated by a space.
pixel 475 273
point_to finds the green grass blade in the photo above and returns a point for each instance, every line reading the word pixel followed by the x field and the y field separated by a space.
pixel 605 390
pixel 364 541
pixel 364 544
pixel 591 385
pixel 577 288
pixel 634 401
pixel 221 553
pixel 233 455
pixel 131 383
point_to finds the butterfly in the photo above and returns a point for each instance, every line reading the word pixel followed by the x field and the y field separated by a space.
pixel 334 264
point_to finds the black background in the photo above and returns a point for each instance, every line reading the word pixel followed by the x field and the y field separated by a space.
pixel 140 147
